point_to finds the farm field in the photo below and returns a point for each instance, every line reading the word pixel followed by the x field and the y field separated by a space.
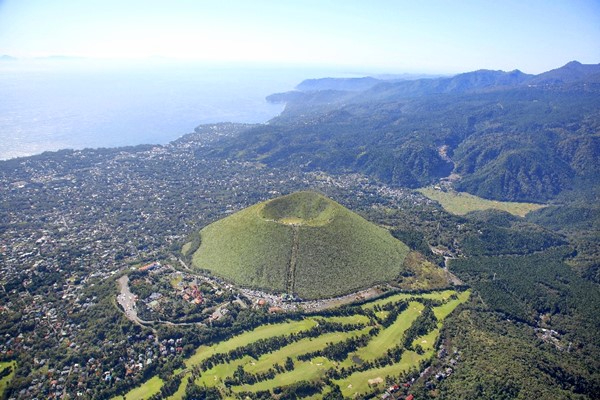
pixel 461 203
pixel 351 346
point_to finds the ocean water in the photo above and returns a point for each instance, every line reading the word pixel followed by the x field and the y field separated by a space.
pixel 57 104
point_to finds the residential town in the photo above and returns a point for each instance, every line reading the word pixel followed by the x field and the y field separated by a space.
pixel 73 222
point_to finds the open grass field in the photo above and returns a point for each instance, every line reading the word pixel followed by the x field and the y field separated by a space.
pixel 345 255
pixel 247 250
pixel 461 203
pixel 4 381
pixel 315 366
pixel 149 388
pixel 303 243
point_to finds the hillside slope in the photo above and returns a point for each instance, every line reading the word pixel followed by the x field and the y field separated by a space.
pixel 508 140
pixel 302 243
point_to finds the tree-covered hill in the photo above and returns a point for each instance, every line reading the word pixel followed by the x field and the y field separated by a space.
pixel 508 140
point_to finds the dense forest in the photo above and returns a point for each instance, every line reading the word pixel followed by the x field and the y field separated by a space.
pixel 508 137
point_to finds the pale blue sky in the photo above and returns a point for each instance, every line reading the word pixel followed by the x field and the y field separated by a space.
pixel 387 36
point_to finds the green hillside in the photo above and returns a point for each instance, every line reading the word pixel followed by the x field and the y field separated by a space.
pixel 303 243
pixel 508 140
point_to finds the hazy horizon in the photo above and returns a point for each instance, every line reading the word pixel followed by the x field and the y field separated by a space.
pixel 109 73
pixel 432 37
pixel 51 105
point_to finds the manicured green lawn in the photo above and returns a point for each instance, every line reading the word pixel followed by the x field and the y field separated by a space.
pixel 262 332
pixel 315 368
pixel 303 371
pixel 5 380
pixel 359 381
pixel 427 341
pixel 303 346
pixel 444 310
pixel 350 319
pixel 390 336
pixel 461 203
pixel 215 375
pixel 148 388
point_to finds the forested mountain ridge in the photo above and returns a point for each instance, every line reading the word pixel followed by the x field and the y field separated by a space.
pixel 570 72
pixel 478 80
pixel 507 138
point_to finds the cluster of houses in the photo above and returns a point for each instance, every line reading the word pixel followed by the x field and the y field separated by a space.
pixel 443 368
pixel 191 288
pixel 553 337
pixel 393 392
pixel 77 218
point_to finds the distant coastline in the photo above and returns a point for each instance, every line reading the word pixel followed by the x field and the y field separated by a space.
pixel 54 104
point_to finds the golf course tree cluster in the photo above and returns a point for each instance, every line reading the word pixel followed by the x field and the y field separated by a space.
pixel 303 244
pixel 355 351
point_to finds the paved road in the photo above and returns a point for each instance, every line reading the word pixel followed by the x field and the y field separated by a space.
pixel 127 300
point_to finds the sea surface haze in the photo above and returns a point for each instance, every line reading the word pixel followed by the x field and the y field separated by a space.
pixel 56 104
